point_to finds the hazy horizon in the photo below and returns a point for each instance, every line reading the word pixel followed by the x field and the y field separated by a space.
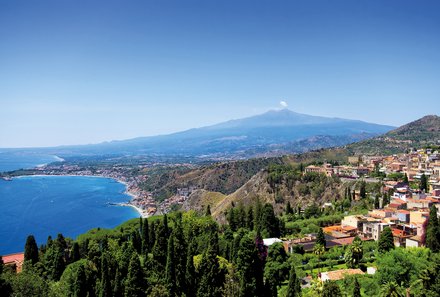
pixel 80 72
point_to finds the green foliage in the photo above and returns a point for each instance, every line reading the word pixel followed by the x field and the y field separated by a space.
pixel 433 231
pixel 354 253
pixel 250 269
pixel 423 186
pixel 31 250
pixel 331 289
pixel 294 287
pixel 134 284
pixel 386 241
pixel 320 238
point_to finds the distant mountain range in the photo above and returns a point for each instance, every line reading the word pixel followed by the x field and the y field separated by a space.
pixel 274 132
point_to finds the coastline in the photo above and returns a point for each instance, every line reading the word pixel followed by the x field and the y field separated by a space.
pixel 141 212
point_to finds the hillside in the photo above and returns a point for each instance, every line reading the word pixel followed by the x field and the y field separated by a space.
pixel 419 133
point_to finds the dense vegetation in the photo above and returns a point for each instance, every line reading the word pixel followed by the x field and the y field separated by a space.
pixel 187 254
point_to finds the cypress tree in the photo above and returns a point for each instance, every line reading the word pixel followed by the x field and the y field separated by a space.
pixel 357 288
pixel 170 271
pixel 80 285
pixel 294 287
pixel 152 234
pixel 134 282
pixel 211 277
pixel 250 218
pixel 145 238
pixel 433 231
pixel 165 225
pixel 105 289
pixel 208 211
pixel 249 268
pixel 231 217
pixel 75 252
pixel 58 265
pixel 362 191
pixel 161 244
pixel 190 280
pixel 405 179
pixel 289 209
pixel 31 250
pixel 180 258
pixel 270 226
pixel 386 241
pixel 117 284
pixel 423 183
pixel 136 241
pixel 320 238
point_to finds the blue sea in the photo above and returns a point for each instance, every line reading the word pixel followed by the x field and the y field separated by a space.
pixel 48 205
pixel 23 160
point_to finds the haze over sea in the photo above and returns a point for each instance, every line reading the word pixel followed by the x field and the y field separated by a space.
pixel 48 205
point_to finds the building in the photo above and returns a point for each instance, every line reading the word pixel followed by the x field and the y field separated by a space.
pixel 14 261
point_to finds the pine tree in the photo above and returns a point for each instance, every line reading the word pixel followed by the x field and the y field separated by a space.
pixel 145 237
pixel 320 238
pixel 134 284
pixel 386 241
pixel 294 287
pixel 31 250
pixel 170 271
pixel 433 231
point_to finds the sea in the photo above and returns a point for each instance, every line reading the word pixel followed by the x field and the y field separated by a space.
pixel 48 205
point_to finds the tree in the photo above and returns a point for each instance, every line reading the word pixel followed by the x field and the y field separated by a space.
pixel 433 231
pixel 249 268
pixel 276 269
pixel 391 289
pixel 106 288
pixel 134 281
pixel 31 250
pixel 423 186
pixel 354 253
pixel 80 285
pixel 190 274
pixel 161 244
pixel 320 238
pixel 362 191
pixel 357 288
pixel 405 179
pixel 270 227
pixel 75 252
pixel 212 278
pixel 250 218
pixel 319 250
pixel 331 289
pixel 208 210
pixel 294 287
pixel 145 236
pixel 386 241
pixel 289 209
pixel 170 272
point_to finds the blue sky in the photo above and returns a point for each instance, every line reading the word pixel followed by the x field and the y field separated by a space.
pixel 76 72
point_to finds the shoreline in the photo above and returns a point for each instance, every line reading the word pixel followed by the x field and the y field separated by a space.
pixel 141 212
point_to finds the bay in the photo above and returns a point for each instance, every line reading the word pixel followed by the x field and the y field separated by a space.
pixel 24 160
pixel 48 205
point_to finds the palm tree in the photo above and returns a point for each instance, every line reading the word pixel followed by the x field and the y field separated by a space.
pixel 319 250
pixel 357 250
pixel 391 289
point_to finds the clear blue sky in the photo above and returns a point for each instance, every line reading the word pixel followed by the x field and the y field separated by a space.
pixel 76 72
